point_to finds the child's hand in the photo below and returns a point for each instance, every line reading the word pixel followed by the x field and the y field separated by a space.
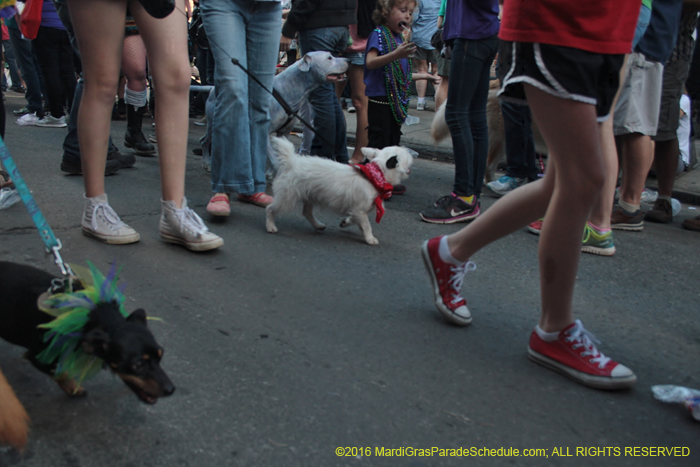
pixel 405 50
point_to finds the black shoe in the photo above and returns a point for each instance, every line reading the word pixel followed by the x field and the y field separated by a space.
pixel 134 138
pixel 197 151
pixel 398 190
pixel 74 167
pixel 125 160
pixel 18 89
pixel 450 209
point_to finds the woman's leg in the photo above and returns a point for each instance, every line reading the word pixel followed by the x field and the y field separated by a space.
pixel 567 192
pixel 99 27
pixel 136 95
pixel 166 43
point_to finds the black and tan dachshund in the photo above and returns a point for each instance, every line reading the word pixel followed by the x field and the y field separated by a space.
pixel 126 345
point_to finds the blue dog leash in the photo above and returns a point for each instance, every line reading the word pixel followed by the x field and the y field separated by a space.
pixel 53 244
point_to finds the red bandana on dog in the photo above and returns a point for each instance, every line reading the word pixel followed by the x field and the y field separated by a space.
pixel 374 174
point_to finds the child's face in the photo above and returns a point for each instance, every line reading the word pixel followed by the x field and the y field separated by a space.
pixel 401 16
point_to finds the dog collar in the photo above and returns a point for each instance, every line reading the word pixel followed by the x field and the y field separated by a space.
pixel 374 174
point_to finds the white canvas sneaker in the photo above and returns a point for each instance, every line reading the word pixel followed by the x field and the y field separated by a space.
pixel 184 227
pixel 101 222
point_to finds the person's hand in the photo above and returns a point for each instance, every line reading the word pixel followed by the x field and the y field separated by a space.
pixel 405 50
pixel 285 43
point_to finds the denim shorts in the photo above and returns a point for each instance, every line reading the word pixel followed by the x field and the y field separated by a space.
pixel 564 72
pixel 356 58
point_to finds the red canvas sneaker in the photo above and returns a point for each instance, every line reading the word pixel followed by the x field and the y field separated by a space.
pixel 446 280
pixel 575 355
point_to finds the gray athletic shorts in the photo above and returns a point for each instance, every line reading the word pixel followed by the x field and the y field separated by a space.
pixel 637 109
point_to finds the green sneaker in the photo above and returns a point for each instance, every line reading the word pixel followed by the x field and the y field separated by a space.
pixel 598 244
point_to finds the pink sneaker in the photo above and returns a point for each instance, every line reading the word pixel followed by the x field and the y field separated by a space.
pixel 535 227
pixel 259 199
pixel 219 205
pixel 447 284
pixel 575 355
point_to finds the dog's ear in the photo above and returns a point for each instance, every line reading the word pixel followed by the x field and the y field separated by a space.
pixel 392 162
pixel 137 316
pixel 95 342
pixel 370 153
pixel 304 63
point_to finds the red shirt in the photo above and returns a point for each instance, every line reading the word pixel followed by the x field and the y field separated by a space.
pixel 599 26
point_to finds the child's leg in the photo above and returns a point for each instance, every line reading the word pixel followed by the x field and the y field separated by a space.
pixel 99 27
pixel 166 43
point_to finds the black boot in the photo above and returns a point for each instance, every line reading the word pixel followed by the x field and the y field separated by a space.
pixel 134 138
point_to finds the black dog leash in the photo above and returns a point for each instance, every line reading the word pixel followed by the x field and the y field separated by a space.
pixel 291 114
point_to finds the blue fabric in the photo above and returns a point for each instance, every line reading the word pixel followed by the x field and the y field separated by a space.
pixel 471 19
pixel 425 23
pixel 29 67
pixel 375 85
pixel 328 116
pixel 250 32
pixel 642 24
pixel 49 16
pixel 465 113
pixel 658 41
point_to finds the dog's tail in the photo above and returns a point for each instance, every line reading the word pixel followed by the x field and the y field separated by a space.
pixel 285 152
pixel 14 421
pixel 439 129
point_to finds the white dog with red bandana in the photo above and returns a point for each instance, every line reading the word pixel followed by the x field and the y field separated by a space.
pixel 351 191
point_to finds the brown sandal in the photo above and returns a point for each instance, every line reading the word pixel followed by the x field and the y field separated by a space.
pixel 5 180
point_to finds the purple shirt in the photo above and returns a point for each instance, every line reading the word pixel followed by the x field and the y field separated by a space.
pixel 375 85
pixel 471 19
pixel 49 16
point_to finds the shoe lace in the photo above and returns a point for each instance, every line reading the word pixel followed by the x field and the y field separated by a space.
pixel 108 214
pixel 582 337
pixel 190 220
pixel 443 201
pixel 456 279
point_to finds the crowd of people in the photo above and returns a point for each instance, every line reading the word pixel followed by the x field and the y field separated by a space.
pixel 600 89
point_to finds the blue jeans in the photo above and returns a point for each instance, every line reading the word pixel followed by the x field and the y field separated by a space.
pixel 10 60
pixel 329 119
pixel 465 113
pixel 520 144
pixel 250 32
pixel 29 67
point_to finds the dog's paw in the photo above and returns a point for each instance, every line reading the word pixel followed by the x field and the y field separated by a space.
pixel 345 222
pixel 271 228
pixel 320 227
pixel 372 241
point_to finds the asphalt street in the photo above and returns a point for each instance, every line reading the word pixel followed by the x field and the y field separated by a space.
pixel 286 347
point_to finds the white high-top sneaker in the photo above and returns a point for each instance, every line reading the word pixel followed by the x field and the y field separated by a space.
pixel 185 227
pixel 101 222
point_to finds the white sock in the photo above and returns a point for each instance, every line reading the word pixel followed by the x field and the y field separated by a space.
pixel 444 252
pixel 421 100
pixel 546 336
pixel 630 208
pixel 135 98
